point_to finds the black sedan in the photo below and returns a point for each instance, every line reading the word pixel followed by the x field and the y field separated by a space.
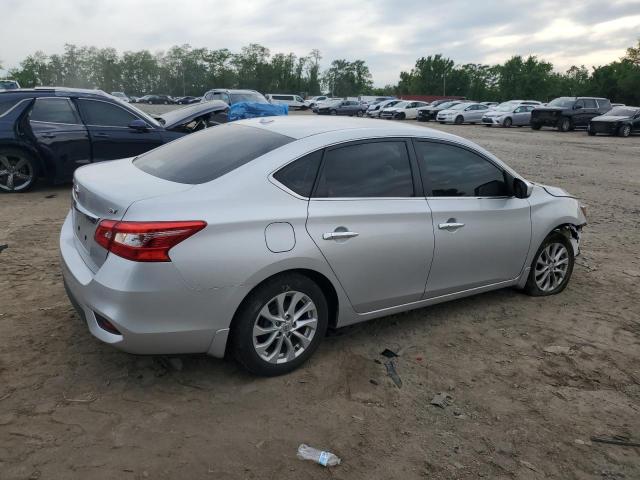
pixel 188 100
pixel 49 132
pixel 156 100
pixel 621 121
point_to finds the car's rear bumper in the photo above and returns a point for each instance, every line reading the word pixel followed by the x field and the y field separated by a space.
pixel 148 303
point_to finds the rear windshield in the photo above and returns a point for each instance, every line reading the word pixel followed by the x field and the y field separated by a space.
pixel 207 155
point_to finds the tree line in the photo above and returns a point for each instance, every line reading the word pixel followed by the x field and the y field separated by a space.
pixel 184 70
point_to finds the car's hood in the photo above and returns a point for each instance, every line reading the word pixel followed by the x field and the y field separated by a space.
pixel 556 191
pixel 548 109
pixel 180 116
pixel 610 118
pixel 494 114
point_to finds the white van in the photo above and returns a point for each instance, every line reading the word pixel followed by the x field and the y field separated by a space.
pixel 294 101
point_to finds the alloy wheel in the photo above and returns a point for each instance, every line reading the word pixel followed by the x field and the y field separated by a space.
pixel 16 172
pixel 625 131
pixel 551 267
pixel 285 327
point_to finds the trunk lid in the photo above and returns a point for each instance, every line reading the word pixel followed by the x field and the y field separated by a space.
pixel 105 191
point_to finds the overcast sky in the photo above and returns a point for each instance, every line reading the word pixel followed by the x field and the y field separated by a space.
pixel 388 35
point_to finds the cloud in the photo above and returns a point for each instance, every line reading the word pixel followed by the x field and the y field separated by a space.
pixel 388 35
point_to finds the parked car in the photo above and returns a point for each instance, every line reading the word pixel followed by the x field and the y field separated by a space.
pixel 8 85
pixel 121 96
pixel 430 112
pixel 374 110
pixel 133 99
pixel 156 100
pixel 311 102
pixel 49 132
pixel 468 112
pixel 233 221
pixel 340 107
pixel 508 114
pixel 405 110
pixel 187 100
pixel 231 97
pixel 621 121
pixel 292 101
pixel 567 113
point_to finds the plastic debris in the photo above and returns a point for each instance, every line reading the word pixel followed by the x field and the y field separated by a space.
pixel 388 353
pixel 391 371
pixel 616 440
pixel 326 459
pixel 442 400
pixel 3 246
pixel 241 110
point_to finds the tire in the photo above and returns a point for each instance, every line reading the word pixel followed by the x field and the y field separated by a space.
pixel 590 133
pixel 442 123
pixel 459 119
pixel 537 280
pixel 360 114
pixel 18 171
pixel 401 116
pixel 166 103
pixel 624 131
pixel 250 315
pixel 536 126
pixel 487 125
pixel 507 122
pixel 564 124
pixel 333 112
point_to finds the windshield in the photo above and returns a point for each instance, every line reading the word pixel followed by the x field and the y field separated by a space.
pixel 8 84
pixel 459 106
pixel 622 112
pixel 209 154
pixel 400 104
pixel 446 105
pixel 129 106
pixel 505 107
pixel 247 97
pixel 562 102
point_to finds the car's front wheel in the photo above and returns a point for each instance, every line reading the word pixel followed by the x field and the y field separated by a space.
pixel 507 122
pixel 280 325
pixel 536 126
pixel 459 120
pixel 551 267
pixel 333 112
pixel 624 131
pixel 18 171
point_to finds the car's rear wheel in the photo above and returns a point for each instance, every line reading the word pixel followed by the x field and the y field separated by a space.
pixel 564 124
pixel 551 267
pixel 280 325
pixel 459 120
pixel 624 131
pixel 18 171
pixel 536 126
pixel 333 112
pixel 360 113
pixel 507 122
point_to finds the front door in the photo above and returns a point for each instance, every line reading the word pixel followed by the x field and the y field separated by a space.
pixel 61 138
pixel 111 137
pixel 482 233
pixel 369 220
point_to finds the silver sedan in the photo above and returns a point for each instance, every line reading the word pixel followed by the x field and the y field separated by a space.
pixel 509 114
pixel 463 113
pixel 254 237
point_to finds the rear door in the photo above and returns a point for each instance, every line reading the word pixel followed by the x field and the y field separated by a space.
pixel 590 111
pixel 62 139
pixel 482 233
pixel 370 221
pixel 111 137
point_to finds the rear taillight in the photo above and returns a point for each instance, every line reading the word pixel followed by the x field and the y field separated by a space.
pixel 144 241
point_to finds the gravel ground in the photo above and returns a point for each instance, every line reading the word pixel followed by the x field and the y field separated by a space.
pixel 73 408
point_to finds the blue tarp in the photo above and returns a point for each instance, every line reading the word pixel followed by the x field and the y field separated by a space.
pixel 241 110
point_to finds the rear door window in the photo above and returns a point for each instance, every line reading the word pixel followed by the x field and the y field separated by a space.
pixel 54 110
pixel 207 155
pixel 372 169
pixel 590 103
pixel 300 175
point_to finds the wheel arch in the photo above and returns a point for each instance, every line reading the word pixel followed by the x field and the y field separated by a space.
pixel 31 151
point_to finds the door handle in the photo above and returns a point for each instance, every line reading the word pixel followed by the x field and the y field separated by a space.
pixel 450 226
pixel 48 135
pixel 338 235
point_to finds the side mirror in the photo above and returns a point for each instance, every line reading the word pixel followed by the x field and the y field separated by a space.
pixel 139 125
pixel 522 189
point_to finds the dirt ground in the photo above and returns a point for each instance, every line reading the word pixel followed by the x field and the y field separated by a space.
pixel 73 408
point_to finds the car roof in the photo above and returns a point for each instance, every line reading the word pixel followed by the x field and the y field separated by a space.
pixel 59 91
pixel 305 126
pixel 231 90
